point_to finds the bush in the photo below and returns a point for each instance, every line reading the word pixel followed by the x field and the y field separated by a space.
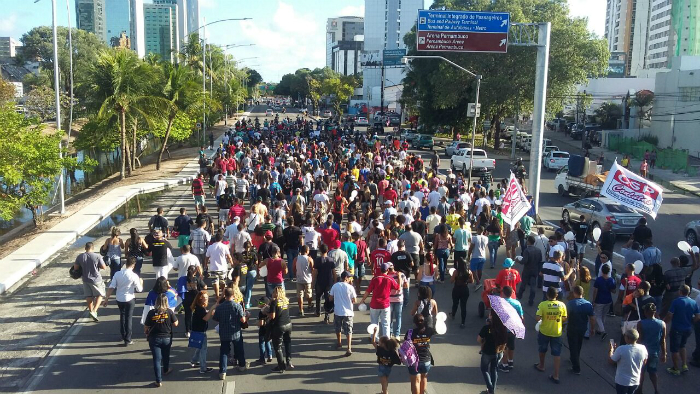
pixel 651 139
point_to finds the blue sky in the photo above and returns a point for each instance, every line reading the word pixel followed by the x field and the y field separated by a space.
pixel 288 34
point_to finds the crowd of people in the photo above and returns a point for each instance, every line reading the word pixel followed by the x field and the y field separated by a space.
pixel 331 217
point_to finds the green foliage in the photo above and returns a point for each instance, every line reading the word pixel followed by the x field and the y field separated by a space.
pixel 29 163
pixel 41 103
pixel 443 91
pixel 97 134
pixel 254 77
pixel 651 139
pixel 7 91
pixel 182 128
pixel 338 89
pixel 608 114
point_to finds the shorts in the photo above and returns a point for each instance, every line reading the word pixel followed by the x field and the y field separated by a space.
pixel 510 343
pixel 423 368
pixel 94 289
pixel 476 264
pixel 359 270
pixel 678 339
pixel 415 257
pixel 199 200
pixel 581 248
pixel 554 343
pixel 383 370
pixel 652 363
pixel 182 240
pixel 216 276
pixel 337 217
pixel 343 324
pixel 223 215
pixel 304 289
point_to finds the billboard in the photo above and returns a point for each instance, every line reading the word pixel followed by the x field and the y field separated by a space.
pixel 369 59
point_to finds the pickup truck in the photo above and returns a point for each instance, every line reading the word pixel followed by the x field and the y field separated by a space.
pixel 566 184
pixel 460 162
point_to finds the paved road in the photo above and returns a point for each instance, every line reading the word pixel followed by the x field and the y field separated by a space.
pixel 88 356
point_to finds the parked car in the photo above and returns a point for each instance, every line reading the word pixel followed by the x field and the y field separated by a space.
pixel 423 141
pixel 597 211
pixel 394 121
pixel 692 230
pixel 555 160
pixel 461 161
pixel 327 113
pixel 269 112
pixel 549 148
pixel 456 146
pixel 361 121
pixel 408 135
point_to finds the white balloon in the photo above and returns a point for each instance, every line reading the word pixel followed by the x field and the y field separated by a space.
pixel 638 266
pixel 441 327
pixel 684 247
pixel 696 249
pixel 518 258
pixel 353 195
pixel 370 328
pixel 596 233
pixel 362 308
pixel 263 271
pixel 569 236
pixel 451 271
pixel 537 326
pixel 441 316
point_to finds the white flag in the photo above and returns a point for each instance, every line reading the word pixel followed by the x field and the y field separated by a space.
pixel 515 204
pixel 632 190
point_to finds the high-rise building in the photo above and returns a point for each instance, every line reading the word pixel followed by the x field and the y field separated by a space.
pixel 627 30
pixel 91 15
pixel 137 28
pixel 685 37
pixel 118 19
pixel 659 34
pixel 182 17
pixel 8 47
pixel 192 16
pixel 386 24
pixel 161 28
pixel 344 28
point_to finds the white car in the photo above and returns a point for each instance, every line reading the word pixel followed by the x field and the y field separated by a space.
pixel 555 160
pixel 327 114
pixel 549 148
pixel 456 146
pixel 362 121
pixel 269 112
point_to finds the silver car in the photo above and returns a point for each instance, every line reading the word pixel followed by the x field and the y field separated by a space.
pixel 597 211
pixel 692 230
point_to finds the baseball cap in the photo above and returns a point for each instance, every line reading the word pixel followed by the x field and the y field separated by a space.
pixel 386 266
pixel 388 202
pixel 507 263
pixel 236 218
pixel 268 234
pixel 345 275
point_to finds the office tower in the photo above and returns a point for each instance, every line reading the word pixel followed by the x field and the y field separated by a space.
pixel 8 47
pixel 344 28
pixel 91 16
pixel 161 28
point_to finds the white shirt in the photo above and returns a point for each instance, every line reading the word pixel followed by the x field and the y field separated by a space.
pixel 480 204
pixel 126 283
pixel 355 227
pixel 321 198
pixel 217 253
pixel 311 237
pixel 303 270
pixel 392 246
pixel 466 199
pixel 555 248
pixel 221 186
pixel 433 221
pixel 242 185
pixel 480 242
pixel 343 294
pixel 630 361
pixel 231 231
pixel 239 240
pixel 183 263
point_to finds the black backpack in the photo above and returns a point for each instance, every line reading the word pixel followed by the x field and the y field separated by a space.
pixel 75 273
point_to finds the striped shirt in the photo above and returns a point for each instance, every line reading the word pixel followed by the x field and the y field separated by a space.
pixel 552 275
pixel 199 238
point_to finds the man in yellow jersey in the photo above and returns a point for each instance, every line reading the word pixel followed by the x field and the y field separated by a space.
pixel 551 314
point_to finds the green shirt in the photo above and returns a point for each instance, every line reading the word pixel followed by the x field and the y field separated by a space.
pixel 526 223
pixel 351 249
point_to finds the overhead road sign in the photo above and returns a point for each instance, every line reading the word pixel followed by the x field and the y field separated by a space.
pixel 462 31
pixel 392 57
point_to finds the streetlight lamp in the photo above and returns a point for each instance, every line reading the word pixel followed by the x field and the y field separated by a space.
pixel 204 66
pixel 407 59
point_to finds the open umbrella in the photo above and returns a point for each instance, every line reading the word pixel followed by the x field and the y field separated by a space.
pixel 508 315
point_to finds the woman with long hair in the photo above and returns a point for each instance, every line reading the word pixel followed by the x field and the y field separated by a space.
pixel 158 328
pixel 461 278
pixel 135 247
pixel 420 336
pixel 492 338
pixel 425 306
pixel 443 245
pixel 192 287
pixel 200 325
pixel 281 329
pixel 114 245
pixel 493 233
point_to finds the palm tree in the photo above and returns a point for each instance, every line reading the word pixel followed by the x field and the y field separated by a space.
pixel 118 88
pixel 183 94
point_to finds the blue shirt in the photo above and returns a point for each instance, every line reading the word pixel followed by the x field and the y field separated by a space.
pixel 516 304
pixel 228 315
pixel 578 310
pixel 424 212
pixel 604 287
pixel 653 329
pixel 683 309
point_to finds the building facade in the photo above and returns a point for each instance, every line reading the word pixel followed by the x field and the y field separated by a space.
pixel 658 43
pixel 386 24
pixel 8 47
pixel 91 15
pixel 161 28
pixel 341 29
pixel 118 19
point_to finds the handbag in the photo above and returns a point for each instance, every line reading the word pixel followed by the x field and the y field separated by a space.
pixel 75 273
pixel 630 324
pixel 196 339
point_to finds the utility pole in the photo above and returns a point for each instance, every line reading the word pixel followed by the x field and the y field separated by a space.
pixel 382 95
pixel 543 40
pixel 204 80
pixel 514 135
pixel 58 104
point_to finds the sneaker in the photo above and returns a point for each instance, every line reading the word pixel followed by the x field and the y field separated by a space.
pixel 478 286
pixel 673 371
pixel 209 369
pixel 187 335
pixel 128 343
pixel 301 313
pixel 243 368
pixel 684 369
pixel 222 376
pixel 269 360
pixel 291 366
pixel 503 368
pixel 603 335
pixel 247 306
pixel 278 369
pixel 194 365
pixel 461 325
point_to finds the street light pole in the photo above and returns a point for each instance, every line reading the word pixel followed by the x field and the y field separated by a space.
pixel 478 77
pixel 204 80
pixel 58 104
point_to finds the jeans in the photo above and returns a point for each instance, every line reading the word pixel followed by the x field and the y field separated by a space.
pixel 322 291
pixel 225 349
pixel 395 323
pixel 200 355
pixel 489 364
pixel 139 264
pixel 188 315
pixel 126 317
pixel 529 279
pixel 160 349
pixel 405 296
pixel 265 347
pixel 442 256
pixel 380 317
pixel 249 281
pixel 460 257
pixel 575 340
pixel 493 252
pixel 460 295
pixel 282 335
pixel 115 265
pixel 599 312
pixel 270 287
pixel 620 389
pixel 292 254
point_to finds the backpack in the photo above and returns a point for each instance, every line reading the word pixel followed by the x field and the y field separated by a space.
pixel 407 351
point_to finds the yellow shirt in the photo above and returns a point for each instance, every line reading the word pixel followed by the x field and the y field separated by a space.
pixel 452 220
pixel 552 314
pixel 355 172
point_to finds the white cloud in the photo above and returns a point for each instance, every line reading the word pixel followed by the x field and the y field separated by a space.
pixel 8 24
pixel 288 41
pixel 353 10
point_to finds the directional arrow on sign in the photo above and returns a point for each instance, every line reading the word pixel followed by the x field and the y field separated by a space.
pixel 505 22
pixel 503 42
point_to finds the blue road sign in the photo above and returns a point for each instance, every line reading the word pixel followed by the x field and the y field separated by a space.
pixel 392 57
pixel 463 21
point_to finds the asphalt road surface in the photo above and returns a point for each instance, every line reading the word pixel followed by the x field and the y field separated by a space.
pixel 89 356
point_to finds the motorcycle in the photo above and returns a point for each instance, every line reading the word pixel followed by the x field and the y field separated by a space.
pixel 519 170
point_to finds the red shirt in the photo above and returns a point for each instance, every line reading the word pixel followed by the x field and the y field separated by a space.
pixel 390 195
pixel 236 210
pixel 380 286
pixel 630 284
pixel 197 187
pixel 361 251
pixel 508 277
pixel 274 271
pixel 328 236
pixel 377 257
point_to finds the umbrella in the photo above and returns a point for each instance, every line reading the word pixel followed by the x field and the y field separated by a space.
pixel 508 315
